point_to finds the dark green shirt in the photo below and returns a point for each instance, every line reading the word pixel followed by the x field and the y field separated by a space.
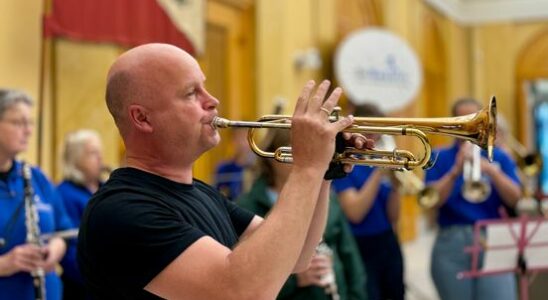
pixel 347 263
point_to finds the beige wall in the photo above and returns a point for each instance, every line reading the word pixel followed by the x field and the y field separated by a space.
pixel 80 79
pixel 284 28
pixel 496 50
pixel 20 51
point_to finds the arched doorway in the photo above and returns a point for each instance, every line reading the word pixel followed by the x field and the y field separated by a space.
pixel 532 87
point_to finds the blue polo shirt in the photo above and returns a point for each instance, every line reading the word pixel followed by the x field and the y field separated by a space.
pixel 75 197
pixel 456 210
pixel 52 217
pixel 376 221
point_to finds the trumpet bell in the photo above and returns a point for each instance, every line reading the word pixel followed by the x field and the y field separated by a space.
pixel 428 197
pixel 476 191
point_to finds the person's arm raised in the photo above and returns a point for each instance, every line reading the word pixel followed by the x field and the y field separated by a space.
pixel 258 266
pixel 356 203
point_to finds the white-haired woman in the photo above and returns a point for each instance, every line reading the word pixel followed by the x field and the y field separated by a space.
pixel 82 166
pixel 19 257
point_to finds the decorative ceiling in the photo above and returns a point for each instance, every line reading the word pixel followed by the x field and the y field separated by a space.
pixel 470 12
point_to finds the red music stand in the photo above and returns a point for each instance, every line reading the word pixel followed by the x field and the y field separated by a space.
pixel 513 246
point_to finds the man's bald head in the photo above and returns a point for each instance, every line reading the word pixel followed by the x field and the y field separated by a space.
pixel 137 76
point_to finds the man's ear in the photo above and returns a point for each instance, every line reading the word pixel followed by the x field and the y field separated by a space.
pixel 139 118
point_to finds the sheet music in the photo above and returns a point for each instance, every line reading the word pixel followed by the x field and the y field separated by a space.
pixel 505 236
pixel 500 259
pixel 536 252
pixel 541 236
pixel 501 235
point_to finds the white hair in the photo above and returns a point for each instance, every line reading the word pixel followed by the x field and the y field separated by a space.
pixel 75 143
pixel 11 97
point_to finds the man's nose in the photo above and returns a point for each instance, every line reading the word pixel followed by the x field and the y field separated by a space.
pixel 211 102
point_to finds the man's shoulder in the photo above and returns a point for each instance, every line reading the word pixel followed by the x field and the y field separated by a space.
pixel 201 185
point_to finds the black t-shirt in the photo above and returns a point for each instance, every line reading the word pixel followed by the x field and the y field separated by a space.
pixel 138 223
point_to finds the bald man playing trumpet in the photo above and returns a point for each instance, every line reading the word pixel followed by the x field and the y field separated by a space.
pixel 153 231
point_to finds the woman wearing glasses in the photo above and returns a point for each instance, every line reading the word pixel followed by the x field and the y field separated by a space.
pixel 22 256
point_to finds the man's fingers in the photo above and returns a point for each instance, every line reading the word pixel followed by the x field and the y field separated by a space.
pixel 348 168
pixel 333 99
pixel 302 101
pixel 316 101
pixel 343 123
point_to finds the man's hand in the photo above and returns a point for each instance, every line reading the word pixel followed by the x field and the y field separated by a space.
pixel 312 134
pixel 357 141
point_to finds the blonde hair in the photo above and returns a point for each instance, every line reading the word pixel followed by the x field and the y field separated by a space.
pixel 72 152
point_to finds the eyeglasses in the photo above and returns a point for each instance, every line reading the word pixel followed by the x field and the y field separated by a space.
pixel 19 123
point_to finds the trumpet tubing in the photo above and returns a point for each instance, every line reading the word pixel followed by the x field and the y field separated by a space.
pixel 478 128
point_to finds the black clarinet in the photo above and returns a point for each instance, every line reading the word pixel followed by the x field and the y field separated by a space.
pixel 33 232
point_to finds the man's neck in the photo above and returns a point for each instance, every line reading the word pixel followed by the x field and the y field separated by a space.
pixel 181 174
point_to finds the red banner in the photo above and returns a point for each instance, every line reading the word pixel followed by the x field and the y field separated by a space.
pixel 124 22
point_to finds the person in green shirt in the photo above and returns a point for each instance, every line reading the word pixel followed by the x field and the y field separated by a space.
pixel 337 273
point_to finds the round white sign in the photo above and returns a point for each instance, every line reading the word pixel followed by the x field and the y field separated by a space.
pixel 376 66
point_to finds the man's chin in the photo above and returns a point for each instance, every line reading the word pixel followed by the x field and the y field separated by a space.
pixel 214 141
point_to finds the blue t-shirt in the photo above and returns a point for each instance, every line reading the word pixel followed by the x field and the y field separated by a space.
pixel 229 178
pixel 75 197
pixel 456 210
pixel 376 221
pixel 52 217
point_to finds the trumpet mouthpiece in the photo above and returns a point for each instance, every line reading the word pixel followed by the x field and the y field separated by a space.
pixel 219 122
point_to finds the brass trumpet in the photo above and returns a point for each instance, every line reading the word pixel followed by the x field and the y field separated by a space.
pixel 478 128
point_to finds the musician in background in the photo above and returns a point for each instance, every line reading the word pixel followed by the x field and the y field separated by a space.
pixel 370 200
pixel 17 257
pixel 456 216
pixel 82 167
pixel 345 262
pixel 230 174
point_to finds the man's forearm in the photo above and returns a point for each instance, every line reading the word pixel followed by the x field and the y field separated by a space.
pixel 272 251
pixel 317 227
